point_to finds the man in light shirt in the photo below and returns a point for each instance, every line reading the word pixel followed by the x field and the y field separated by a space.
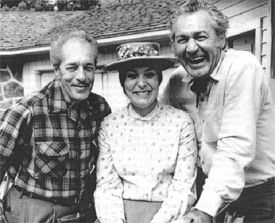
pixel 228 96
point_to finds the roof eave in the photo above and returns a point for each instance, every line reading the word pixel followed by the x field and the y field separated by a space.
pixel 101 42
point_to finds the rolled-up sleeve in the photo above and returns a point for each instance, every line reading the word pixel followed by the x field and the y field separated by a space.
pixel 236 145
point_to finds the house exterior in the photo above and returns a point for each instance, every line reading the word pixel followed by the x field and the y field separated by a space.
pixel 25 41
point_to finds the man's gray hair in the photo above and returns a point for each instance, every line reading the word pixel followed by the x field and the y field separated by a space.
pixel 59 40
pixel 221 21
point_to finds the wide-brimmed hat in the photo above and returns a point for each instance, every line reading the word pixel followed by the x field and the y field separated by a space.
pixel 140 54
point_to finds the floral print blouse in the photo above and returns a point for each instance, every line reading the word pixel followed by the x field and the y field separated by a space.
pixel 151 158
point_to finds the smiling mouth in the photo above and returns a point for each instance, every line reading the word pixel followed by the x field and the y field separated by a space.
pixel 142 92
pixel 81 86
pixel 196 60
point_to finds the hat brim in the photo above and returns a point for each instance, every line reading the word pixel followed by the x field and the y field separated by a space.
pixel 160 62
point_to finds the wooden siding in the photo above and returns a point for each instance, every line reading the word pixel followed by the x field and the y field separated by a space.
pixel 247 15
pixel 32 74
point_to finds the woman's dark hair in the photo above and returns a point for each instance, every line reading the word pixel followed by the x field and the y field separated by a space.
pixel 123 71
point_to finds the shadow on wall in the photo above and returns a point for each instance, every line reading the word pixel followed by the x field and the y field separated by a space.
pixel 272 86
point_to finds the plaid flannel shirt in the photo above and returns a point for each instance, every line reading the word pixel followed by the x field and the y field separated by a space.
pixel 61 151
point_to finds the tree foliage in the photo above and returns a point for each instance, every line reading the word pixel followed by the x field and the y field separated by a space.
pixel 48 5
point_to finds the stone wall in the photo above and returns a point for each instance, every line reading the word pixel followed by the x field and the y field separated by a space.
pixel 11 83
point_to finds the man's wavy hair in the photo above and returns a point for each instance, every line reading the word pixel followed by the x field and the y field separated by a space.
pixel 59 40
pixel 221 21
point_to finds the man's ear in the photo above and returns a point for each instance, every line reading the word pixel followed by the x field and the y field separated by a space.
pixel 221 43
pixel 173 48
pixel 56 70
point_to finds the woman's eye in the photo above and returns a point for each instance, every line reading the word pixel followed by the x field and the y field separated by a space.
pixel 131 75
pixel 150 74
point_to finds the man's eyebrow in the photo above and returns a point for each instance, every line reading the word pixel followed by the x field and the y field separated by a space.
pixel 76 64
pixel 71 64
pixel 191 34
pixel 200 32
pixel 180 35
pixel 90 64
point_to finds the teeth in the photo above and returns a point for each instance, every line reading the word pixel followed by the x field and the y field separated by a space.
pixel 196 60
pixel 142 92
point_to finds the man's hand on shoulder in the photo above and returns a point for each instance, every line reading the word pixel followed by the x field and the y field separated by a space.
pixel 197 216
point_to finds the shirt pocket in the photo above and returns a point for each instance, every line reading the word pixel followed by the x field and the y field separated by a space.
pixel 51 160
pixel 212 125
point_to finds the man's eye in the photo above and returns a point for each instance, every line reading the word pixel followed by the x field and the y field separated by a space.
pixel 89 69
pixel 182 40
pixel 201 38
pixel 71 69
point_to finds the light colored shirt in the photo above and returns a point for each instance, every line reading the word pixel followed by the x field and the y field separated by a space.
pixel 235 126
pixel 151 158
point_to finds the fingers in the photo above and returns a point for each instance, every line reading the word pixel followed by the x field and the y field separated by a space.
pixel 196 216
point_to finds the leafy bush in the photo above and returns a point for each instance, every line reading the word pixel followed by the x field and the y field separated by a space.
pixel 48 5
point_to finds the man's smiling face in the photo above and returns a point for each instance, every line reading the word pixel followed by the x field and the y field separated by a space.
pixel 196 44
pixel 77 69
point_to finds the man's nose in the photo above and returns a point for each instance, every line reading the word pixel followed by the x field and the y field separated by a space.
pixel 192 46
pixel 81 74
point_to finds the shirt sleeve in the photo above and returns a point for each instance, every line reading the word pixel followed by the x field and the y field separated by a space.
pixel 181 192
pixel 11 122
pixel 108 194
pixel 245 90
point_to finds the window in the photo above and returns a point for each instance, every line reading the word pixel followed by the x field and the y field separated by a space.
pixel 244 41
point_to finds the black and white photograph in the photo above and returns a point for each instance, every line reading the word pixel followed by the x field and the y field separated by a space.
pixel 137 111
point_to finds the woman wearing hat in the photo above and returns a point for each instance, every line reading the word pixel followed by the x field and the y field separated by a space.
pixel 146 167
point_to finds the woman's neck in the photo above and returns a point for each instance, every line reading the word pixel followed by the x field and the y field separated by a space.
pixel 144 111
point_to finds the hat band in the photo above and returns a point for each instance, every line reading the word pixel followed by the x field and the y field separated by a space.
pixel 127 51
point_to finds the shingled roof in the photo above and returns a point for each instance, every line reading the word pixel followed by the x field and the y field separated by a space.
pixel 25 30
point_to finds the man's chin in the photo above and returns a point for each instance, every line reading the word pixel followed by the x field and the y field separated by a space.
pixel 80 97
pixel 197 73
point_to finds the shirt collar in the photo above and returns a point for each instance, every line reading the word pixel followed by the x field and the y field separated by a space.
pixel 148 117
pixel 216 75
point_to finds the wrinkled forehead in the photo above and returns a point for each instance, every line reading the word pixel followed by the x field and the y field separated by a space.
pixel 195 21
pixel 77 49
pixel 75 43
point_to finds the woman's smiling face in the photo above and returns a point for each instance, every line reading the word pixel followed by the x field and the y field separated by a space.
pixel 141 87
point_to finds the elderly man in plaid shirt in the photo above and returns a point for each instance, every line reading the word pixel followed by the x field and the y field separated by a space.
pixel 50 138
